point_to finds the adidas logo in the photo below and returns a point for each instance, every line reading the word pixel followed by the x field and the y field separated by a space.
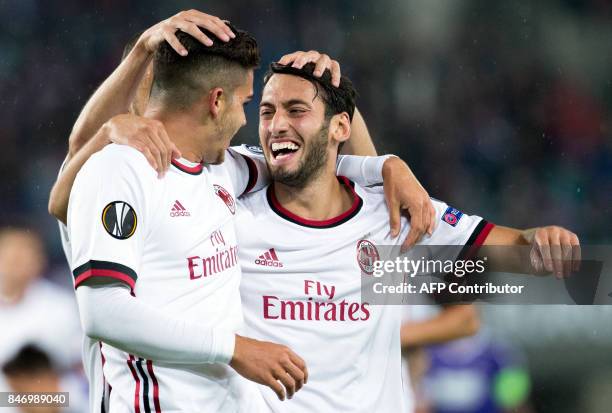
pixel 178 210
pixel 269 259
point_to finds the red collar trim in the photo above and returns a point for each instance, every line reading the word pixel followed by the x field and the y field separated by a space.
pixel 328 223
pixel 192 170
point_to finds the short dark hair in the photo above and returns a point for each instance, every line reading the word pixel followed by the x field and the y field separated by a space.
pixel 29 360
pixel 337 99
pixel 180 80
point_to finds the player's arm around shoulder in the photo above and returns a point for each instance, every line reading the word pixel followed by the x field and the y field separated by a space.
pixel 146 135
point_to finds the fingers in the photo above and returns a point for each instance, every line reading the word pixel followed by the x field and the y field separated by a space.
pixel 190 22
pixel 394 214
pixel 536 259
pixel 287 380
pixel 335 72
pixel 161 150
pixel 559 249
pixel 544 247
pixel 306 57
pixel 211 23
pixel 297 375
pixel 289 58
pixel 169 34
pixel 555 252
pixel 426 218
pixel 420 222
pixel 566 255
pixel 570 248
pixel 172 150
pixel 576 252
pixel 300 363
pixel 417 229
pixel 277 387
pixel 156 150
pixel 321 65
pixel 194 31
pixel 291 372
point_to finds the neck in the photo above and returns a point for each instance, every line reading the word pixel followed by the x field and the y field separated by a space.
pixel 307 202
pixel 183 131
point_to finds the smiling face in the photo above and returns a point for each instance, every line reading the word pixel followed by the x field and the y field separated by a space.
pixel 293 130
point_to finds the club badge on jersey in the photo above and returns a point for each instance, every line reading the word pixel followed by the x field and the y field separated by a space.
pixel 225 197
pixel 367 255
pixel 452 216
pixel 254 149
pixel 119 220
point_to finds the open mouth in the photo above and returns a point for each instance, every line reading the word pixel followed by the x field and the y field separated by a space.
pixel 283 150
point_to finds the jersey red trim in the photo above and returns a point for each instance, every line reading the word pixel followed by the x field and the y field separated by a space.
pixel 130 362
pixel 155 387
pixel 253 174
pixel 328 223
pixel 145 385
pixel 192 170
pixel 104 269
pixel 477 239
pixel 104 273
pixel 103 408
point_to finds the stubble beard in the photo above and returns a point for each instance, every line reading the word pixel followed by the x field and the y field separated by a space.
pixel 311 165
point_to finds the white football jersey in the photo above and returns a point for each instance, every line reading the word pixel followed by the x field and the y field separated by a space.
pixel 301 287
pixel 173 242
pixel 248 176
pixel 90 348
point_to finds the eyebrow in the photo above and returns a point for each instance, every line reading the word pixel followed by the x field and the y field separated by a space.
pixel 287 103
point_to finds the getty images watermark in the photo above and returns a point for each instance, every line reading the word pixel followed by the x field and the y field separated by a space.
pixel 449 274
pixel 459 268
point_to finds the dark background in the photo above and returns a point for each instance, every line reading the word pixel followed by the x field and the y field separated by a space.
pixel 502 108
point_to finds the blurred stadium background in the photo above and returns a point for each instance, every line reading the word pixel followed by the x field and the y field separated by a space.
pixel 502 108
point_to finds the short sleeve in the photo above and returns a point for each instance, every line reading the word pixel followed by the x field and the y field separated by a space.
pixel 247 167
pixel 455 228
pixel 63 229
pixel 106 213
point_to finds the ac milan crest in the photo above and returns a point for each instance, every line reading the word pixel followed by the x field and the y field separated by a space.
pixel 367 255
pixel 226 197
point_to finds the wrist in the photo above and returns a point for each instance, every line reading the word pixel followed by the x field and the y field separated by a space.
pixel 528 235
pixel 140 49
pixel 236 355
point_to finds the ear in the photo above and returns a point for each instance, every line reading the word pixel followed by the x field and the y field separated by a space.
pixel 340 127
pixel 216 101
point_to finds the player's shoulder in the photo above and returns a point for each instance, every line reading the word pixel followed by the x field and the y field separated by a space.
pixel 123 160
pixel 122 154
pixel 254 199
pixel 374 196
pixel 247 150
